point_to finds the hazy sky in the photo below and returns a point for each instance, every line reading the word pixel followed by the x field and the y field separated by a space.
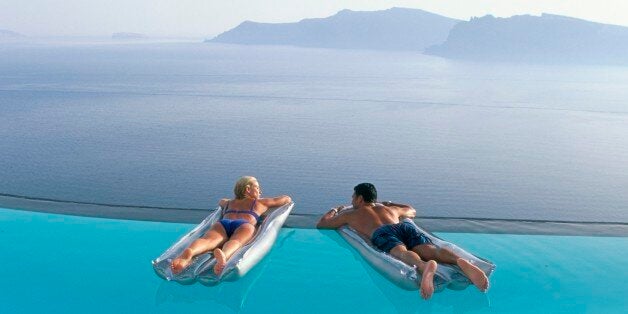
pixel 206 18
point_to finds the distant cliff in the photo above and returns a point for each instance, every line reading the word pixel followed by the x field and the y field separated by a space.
pixel 128 36
pixel 393 29
pixel 546 38
pixel 7 34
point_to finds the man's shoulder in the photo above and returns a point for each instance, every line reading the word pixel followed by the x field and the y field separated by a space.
pixel 381 207
pixel 367 211
pixel 351 214
pixel 386 212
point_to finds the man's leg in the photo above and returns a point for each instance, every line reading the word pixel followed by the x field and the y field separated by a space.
pixel 446 256
pixel 239 237
pixel 427 269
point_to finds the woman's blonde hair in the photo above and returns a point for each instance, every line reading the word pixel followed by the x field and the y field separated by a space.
pixel 240 187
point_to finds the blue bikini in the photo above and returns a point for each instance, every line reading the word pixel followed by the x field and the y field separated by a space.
pixel 231 225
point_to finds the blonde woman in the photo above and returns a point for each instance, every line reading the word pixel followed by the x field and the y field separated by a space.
pixel 236 228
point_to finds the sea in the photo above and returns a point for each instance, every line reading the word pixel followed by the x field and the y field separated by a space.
pixel 173 124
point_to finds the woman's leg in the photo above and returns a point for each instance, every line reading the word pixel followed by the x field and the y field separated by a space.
pixel 239 237
pixel 212 238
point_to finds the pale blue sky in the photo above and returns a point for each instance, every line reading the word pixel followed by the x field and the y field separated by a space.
pixel 206 18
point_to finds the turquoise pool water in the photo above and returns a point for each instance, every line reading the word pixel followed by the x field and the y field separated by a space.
pixel 56 263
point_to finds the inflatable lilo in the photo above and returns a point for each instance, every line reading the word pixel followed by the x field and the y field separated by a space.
pixel 406 276
pixel 398 248
pixel 202 266
pixel 230 230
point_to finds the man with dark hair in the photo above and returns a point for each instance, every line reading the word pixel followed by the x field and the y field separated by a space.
pixel 367 191
pixel 380 222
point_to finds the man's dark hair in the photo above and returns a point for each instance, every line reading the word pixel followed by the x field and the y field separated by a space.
pixel 367 191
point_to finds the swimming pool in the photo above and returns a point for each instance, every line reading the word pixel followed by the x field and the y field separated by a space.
pixel 59 263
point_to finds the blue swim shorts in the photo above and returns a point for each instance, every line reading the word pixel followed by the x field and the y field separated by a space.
pixel 387 237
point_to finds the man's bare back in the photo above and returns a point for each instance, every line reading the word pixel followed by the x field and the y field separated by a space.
pixel 368 217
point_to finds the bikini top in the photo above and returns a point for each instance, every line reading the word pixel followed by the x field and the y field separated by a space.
pixel 244 211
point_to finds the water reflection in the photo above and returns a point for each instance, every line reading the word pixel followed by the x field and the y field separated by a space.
pixel 407 302
pixel 230 295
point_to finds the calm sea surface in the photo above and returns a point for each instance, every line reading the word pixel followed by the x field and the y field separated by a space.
pixel 175 124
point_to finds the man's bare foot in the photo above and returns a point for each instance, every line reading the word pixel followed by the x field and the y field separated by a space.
pixel 427 280
pixel 475 274
pixel 221 261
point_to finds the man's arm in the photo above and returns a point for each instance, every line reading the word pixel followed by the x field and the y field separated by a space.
pixel 404 210
pixel 332 219
pixel 389 203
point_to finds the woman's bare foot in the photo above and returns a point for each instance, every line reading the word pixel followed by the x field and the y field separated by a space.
pixel 181 262
pixel 475 274
pixel 221 261
pixel 427 280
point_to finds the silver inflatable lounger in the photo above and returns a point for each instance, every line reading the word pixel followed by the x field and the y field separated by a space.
pixel 201 267
pixel 405 276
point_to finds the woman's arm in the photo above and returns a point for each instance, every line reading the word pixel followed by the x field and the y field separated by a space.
pixel 223 202
pixel 275 201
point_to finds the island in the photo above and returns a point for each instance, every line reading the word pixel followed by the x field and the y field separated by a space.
pixel 6 34
pixel 128 36
pixel 540 39
pixel 392 29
